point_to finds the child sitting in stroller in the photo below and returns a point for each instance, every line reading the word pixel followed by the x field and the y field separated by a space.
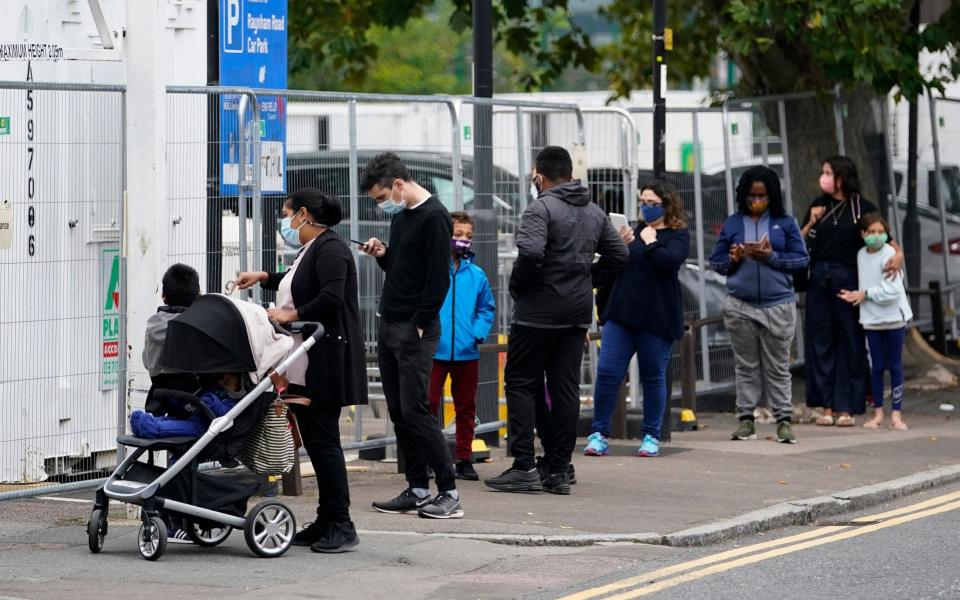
pixel 188 415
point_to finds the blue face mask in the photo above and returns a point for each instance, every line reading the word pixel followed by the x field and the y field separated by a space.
pixel 390 206
pixel 651 213
pixel 290 235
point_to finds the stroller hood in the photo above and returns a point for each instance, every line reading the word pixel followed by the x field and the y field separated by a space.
pixel 218 334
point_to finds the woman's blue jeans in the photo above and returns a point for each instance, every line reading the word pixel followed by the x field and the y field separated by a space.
pixel 618 346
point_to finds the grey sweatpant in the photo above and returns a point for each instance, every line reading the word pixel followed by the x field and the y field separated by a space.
pixel 761 339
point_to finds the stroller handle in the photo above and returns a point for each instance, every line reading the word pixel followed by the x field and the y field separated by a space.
pixel 306 329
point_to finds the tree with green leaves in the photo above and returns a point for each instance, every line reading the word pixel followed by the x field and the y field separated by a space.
pixel 866 47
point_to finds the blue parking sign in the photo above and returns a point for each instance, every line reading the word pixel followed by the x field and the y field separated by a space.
pixel 253 53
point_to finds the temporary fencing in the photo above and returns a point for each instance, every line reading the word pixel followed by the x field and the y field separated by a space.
pixel 64 379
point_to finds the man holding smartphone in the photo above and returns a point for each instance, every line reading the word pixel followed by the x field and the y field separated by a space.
pixel 417 266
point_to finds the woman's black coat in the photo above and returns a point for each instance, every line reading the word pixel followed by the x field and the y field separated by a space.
pixel 324 289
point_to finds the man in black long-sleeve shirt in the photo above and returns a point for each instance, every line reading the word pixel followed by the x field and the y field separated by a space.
pixel 417 266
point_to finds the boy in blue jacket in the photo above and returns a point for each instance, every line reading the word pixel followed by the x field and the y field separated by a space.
pixel 465 320
pixel 759 249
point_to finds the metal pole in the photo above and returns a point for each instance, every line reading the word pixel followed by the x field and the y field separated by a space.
pixel 911 225
pixel 354 174
pixel 659 88
pixel 785 152
pixel 256 206
pixel 728 174
pixel 122 384
pixel 457 166
pixel 485 233
pixel 242 179
pixel 701 251
pixel 938 197
pixel 354 165
pixel 522 171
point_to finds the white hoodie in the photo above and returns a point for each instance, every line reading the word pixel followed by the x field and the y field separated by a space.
pixel 886 305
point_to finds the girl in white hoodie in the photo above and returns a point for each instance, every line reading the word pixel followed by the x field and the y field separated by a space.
pixel 884 314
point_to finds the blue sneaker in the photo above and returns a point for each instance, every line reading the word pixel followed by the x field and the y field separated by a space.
pixel 596 445
pixel 650 446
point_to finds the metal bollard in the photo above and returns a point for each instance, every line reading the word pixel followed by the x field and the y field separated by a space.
pixel 688 369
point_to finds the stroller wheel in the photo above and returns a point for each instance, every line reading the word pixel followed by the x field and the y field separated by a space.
pixel 96 530
pixel 203 535
pixel 152 540
pixel 270 529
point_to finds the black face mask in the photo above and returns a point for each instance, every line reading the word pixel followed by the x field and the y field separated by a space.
pixel 462 248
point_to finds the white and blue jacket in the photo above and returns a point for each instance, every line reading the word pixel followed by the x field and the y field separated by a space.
pixel 467 313
pixel 761 284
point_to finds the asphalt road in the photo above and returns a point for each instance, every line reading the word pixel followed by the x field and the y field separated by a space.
pixel 906 550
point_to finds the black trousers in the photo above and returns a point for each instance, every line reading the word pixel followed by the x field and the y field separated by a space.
pixel 320 430
pixel 533 354
pixel 835 347
pixel 406 360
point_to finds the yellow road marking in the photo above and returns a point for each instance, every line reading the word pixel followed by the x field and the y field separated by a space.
pixel 728 554
pixel 707 560
pixel 904 510
pixel 844 535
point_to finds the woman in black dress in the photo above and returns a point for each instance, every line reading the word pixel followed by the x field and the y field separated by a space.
pixel 835 352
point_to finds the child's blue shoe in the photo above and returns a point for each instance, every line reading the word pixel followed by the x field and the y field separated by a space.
pixel 596 445
pixel 650 446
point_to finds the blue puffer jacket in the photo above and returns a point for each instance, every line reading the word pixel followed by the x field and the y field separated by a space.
pixel 467 313
pixel 761 284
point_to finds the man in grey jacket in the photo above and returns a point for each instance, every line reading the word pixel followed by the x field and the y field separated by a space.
pixel 552 285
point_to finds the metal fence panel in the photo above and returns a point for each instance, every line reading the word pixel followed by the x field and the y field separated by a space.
pixel 61 333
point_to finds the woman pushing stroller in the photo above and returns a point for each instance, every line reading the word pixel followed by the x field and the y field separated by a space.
pixel 321 286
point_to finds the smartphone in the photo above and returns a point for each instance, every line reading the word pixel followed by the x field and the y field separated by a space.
pixel 757 243
pixel 618 221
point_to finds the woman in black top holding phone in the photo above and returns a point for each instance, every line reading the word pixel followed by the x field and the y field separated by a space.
pixel 835 349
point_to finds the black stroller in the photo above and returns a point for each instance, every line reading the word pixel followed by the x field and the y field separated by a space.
pixel 215 335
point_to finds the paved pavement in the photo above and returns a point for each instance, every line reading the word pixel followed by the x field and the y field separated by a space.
pixel 701 478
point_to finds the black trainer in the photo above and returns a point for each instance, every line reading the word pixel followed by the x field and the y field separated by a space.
pixel 557 483
pixel 311 533
pixel 342 537
pixel 464 470
pixel 544 470
pixel 444 506
pixel 406 502
pixel 515 480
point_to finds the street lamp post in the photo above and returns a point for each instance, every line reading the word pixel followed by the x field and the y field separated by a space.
pixel 659 87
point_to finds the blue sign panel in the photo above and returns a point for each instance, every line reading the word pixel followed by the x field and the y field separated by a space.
pixel 253 53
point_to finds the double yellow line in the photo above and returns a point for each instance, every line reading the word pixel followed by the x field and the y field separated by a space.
pixel 674 575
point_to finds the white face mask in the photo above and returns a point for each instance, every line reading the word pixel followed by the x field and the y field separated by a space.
pixel 534 192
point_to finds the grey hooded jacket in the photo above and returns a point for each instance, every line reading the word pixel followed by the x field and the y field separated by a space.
pixel 554 275
pixel 156 335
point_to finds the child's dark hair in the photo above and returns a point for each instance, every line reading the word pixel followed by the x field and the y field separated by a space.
pixel 845 170
pixel 870 219
pixel 769 178
pixel 555 164
pixel 461 217
pixel 382 170
pixel 181 285
pixel 323 208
